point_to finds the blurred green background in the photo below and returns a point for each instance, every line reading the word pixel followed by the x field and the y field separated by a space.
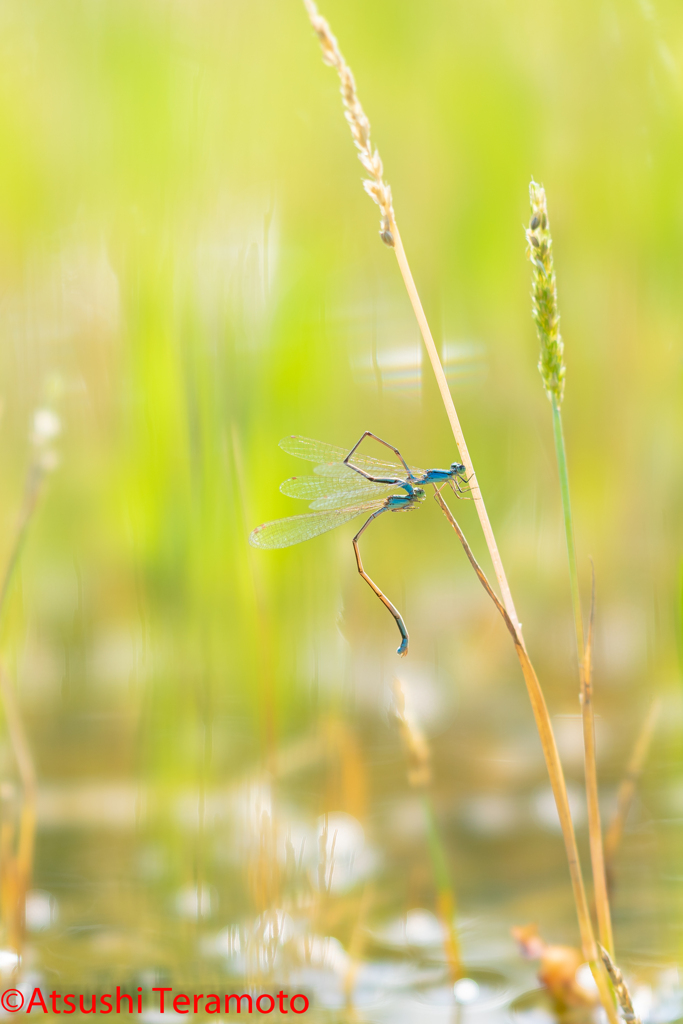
pixel 189 270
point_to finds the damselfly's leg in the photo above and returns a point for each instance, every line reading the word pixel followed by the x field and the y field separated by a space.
pixel 403 649
pixel 368 433
pixel 456 488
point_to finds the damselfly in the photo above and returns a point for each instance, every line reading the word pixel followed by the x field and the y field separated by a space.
pixel 347 485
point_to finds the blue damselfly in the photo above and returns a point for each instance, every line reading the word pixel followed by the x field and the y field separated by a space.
pixel 346 485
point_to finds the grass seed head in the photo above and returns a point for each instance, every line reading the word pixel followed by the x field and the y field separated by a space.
pixel 375 186
pixel 544 295
pixel 620 988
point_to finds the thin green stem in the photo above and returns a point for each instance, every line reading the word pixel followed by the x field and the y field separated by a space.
pixel 584 651
pixel 561 454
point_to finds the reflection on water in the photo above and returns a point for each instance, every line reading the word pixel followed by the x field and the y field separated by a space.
pixel 339 942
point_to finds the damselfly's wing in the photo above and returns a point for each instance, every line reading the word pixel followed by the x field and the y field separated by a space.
pixel 324 492
pixel 328 458
pixel 342 500
pixel 282 533
pixel 312 451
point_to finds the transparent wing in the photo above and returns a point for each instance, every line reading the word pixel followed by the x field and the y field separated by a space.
pixel 312 451
pixel 282 533
pixel 328 457
pixel 340 471
pixel 340 500
pixel 311 487
pixel 323 492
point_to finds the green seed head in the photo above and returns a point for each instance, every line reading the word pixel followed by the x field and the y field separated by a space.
pixel 544 295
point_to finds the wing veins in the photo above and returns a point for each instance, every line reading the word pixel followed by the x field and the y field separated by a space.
pixel 283 533
pixel 328 457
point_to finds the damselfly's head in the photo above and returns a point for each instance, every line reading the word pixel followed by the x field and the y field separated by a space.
pixel 458 479
pixel 419 493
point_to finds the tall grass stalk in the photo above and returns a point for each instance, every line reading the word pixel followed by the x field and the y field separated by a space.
pixel 552 369
pixel 380 192
pixel 554 766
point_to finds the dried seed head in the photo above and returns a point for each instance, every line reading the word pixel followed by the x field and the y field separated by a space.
pixel 376 188
pixel 620 988
pixel 544 296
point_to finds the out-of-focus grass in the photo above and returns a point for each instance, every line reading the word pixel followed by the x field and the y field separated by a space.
pixel 185 245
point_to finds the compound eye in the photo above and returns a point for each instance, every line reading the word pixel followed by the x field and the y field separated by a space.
pixel 457 467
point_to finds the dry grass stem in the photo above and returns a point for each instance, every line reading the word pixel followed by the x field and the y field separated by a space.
pixel 449 405
pixel 593 804
pixel 361 131
pixel 381 194
pixel 554 767
pixel 628 785
pixel 620 988
pixel 552 369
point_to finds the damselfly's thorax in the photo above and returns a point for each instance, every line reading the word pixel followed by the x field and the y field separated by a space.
pixel 404 502
pixel 440 476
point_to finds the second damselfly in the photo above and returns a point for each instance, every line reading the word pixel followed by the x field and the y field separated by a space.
pixel 346 485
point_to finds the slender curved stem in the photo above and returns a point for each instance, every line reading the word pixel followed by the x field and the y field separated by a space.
pixel 555 771
pixel 447 398
pixel 380 193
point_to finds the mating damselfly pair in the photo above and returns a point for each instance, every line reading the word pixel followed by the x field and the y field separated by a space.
pixel 347 485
